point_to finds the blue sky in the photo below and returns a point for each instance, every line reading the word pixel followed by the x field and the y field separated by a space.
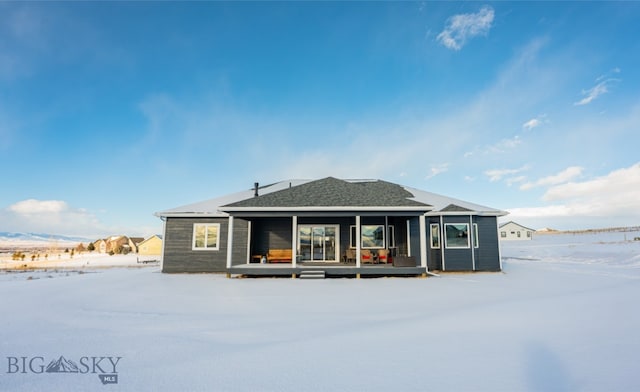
pixel 111 111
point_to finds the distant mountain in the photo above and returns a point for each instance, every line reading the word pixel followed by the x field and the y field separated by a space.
pixel 8 239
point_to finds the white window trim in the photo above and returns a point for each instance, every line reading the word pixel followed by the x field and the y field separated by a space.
pixel 436 231
pixel 446 242
pixel 384 238
pixel 391 234
pixel 206 231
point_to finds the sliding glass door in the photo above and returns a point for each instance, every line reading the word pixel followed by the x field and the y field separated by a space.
pixel 318 242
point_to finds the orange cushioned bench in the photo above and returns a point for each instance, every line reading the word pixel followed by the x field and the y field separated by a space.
pixel 279 256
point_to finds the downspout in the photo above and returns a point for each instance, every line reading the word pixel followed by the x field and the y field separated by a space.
pixel 358 245
pixel 229 246
pixel 473 245
pixel 499 244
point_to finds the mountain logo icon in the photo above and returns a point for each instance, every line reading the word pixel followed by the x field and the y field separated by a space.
pixel 62 365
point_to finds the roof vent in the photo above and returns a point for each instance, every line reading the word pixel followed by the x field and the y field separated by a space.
pixel 256 185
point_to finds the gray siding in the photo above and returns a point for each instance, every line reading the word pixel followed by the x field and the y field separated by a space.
pixel 414 238
pixel 240 241
pixel 457 259
pixel 487 254
pixel 178 253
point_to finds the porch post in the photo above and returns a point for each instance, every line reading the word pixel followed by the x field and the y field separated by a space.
pixel 358 241
pixel 229 246
pixel 294 240
pixel 248 241
pixel 442 234
pixel 423 243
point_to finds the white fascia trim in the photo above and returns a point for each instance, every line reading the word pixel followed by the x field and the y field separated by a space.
pixel 192 215
pixel 466 213
pixel 287 209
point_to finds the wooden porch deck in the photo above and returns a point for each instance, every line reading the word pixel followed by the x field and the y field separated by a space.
pixel 330 269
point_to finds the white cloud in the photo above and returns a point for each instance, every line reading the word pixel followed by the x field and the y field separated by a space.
pixel 534 122
pixel 602 87
pixel 500 147
pixel 437 169
pixel 497 174
pixel 614 199
pixel 621 187
pixel 50 216
pixel 514 180
pixel 33 206
pixel 562 177
pixel 462 27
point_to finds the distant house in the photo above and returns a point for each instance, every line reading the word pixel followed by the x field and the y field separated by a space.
pixel 100 246
pixel 331 227
pixel 134 243
pixel 152 246
pixel 117 244
pixel 514 231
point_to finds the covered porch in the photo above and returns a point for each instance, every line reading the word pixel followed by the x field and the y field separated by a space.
pixel 371 243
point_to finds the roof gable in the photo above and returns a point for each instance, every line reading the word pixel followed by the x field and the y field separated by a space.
pixel 512 224
pixel 332 192
pixel 455 208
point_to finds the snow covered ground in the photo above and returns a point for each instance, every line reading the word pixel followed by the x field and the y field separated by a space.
pixel 79 261
pixel 562 317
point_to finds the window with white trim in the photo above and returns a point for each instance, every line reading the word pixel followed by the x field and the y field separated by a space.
pixel 456 235
pixel 435 236
pixel 206 236
pixel 371 237
pixel 503 234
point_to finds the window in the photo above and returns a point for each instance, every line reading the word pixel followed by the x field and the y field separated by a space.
pixel 503 234
pixel 456 235
pixel 206 236
pixel 476 244
pixel 372 236
pixel 518 234
pixel 528 234
pixel 435 236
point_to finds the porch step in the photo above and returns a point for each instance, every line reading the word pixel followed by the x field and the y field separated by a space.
pixel 312 274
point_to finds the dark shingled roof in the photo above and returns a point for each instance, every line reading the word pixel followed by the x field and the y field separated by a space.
pixel 455 208
pixel 332 192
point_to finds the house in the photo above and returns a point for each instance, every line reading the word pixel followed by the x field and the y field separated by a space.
pixel 152 246
pixel 337 227
pixel 100 246
pixel 134 243
pixel 117 244
pixel 514 231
